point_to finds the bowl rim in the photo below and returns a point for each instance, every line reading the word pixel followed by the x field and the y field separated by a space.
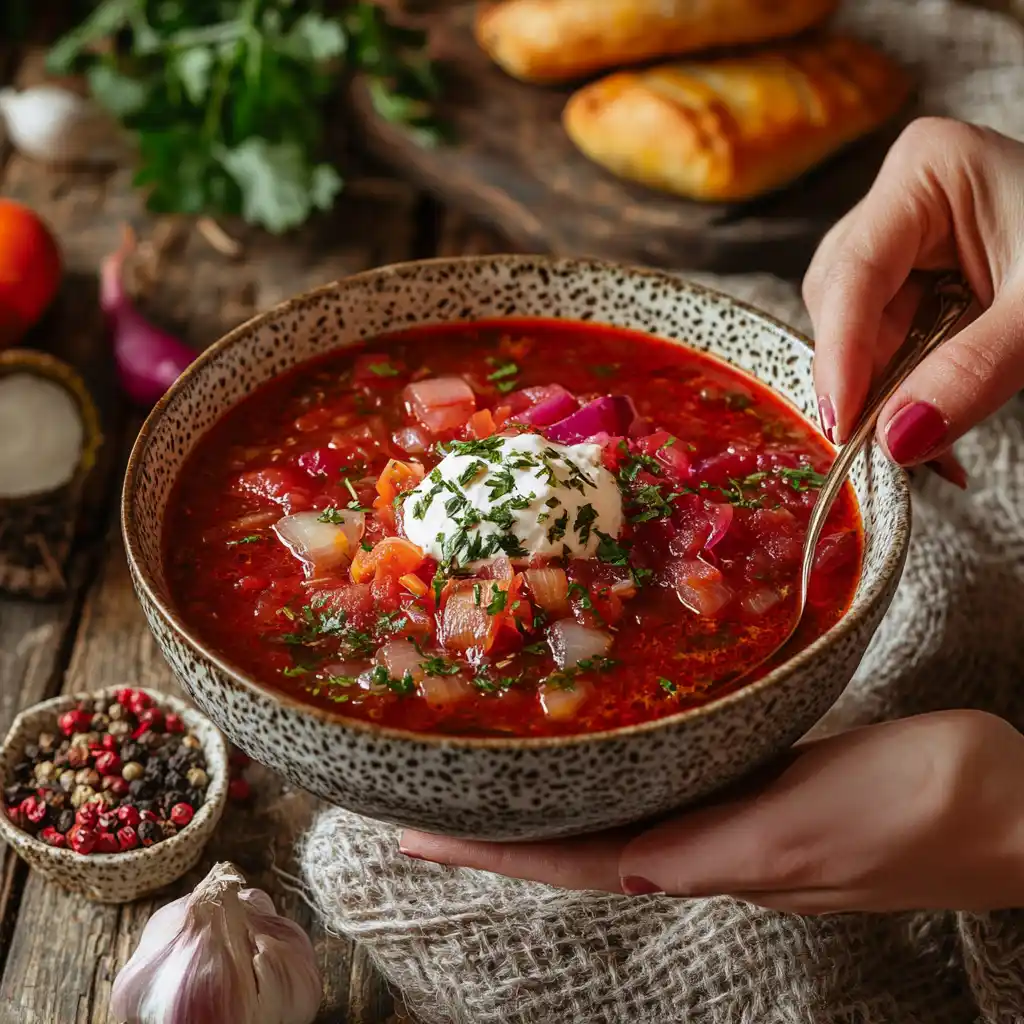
pixel 205 819
pixel 891 566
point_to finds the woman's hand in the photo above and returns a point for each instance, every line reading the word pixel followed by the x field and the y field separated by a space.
pixel 921 813
pixel 949 195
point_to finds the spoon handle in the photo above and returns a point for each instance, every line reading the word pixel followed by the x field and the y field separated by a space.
pixel 941 309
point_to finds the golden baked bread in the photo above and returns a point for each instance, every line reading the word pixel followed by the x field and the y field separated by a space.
pixel 735 128
pixel 558 40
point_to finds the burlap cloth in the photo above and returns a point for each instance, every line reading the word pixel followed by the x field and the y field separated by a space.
pixel 472 948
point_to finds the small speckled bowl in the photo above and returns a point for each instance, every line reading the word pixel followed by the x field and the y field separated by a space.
pixel 503 789
pixel 117 877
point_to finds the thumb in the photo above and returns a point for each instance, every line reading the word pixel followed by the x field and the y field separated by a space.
pixel 962 382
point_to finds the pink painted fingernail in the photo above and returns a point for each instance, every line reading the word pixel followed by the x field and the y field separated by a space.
pixel 634 885
pixel 827 415
pixel 951 471
pixel 916 430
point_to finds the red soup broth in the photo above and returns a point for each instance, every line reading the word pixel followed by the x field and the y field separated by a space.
pixel 716 476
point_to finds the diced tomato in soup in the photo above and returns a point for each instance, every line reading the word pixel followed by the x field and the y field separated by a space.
pixel 286 548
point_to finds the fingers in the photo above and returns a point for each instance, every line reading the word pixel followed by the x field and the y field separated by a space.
pixel 586 863
pixel 965 380
pixel 857 271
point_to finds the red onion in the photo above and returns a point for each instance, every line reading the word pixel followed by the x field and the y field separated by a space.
pixel 721 520
pixel 557 405
pixel 613 414
pixel 149 360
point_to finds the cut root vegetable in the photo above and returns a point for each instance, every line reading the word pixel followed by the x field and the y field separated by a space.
pixel 700 587
pixel 563 704
pixel 550 590
pixel 393 556
pixel 322 547
pixel 445 693
pixel 400 657
pixel 465 624
pixel 572 643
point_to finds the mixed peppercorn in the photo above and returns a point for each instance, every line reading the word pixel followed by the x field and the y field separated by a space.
pixel 113 776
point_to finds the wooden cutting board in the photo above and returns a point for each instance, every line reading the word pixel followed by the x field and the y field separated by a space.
pixel 511 164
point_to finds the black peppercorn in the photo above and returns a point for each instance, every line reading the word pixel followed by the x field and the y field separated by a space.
pixel 142 789
pixel 16 793
pixel 174 780
pixel 170 798
pixel 65 820
pixel 143 805
pixel 24 770
pixel 194 798
pixel 132 752
pixel 31 752
pixel 149 832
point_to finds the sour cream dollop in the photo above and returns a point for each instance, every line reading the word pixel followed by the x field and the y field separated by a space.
pixel 516 497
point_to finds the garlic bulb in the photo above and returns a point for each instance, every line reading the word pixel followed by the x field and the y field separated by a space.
pixel 54 125
pixel 221 955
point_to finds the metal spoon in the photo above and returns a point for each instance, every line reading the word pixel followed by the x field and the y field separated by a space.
pixel 941 309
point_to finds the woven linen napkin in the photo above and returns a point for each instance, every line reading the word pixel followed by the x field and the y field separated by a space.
pixel 465 947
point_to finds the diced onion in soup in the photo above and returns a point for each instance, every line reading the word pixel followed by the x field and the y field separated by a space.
pixel 464 623
pixel 550 589
pixel 562 704
pixel 399 657
pixel 441 403
pixel 321 547
pixel 700 586
pixel 444 693
pixel 760 601
pixel 413 440
pixel 572 643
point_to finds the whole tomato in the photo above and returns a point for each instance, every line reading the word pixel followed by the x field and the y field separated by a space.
pixel 30 270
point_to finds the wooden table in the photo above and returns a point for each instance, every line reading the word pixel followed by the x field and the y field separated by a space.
pixel 59 953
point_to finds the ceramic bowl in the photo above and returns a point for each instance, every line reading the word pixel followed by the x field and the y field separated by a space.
pixel 117 877
pixel 502 789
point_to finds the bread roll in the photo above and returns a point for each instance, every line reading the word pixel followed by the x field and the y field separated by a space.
pixel 735 128
pixel 558 40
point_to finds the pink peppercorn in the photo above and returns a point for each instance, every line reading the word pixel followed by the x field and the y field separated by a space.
pixel 82 840
pixel 106 842
pixel 110 742
pixel 142 730
pixel 34 809
pixel 181 814
pixel 238 789
pixel 74 721
pixel 154 716
pixel 116 785
pixel 17 817
pixel 173 723
pixel 148 816
pixel 124 696
pixel 87 816
pixel 108 763
pixel 52 837
pixel 127 839
pixel 139 702
pixel 129 815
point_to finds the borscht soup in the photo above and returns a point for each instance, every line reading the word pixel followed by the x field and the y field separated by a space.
pixel 511 528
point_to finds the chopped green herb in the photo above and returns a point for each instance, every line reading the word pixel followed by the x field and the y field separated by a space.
pixel 437 584
pixel 501 482
pixel 419 508
pixel 476 594
pixel 580 591
pixel 318 625
pixel 653 504
pixel 438 666
pixel 557 529
pixel 471 472
pixel 251 539
pixel 382 369
pixel 499 598
pixel 404 686
pixel 512 546
pixel 667 685
pixel 611 551
pixel 540 647
pixel 294 670
pixel 488 448
pixel 802 479
pixel 503 371
pixel 631 467
pixel 331 515
pixel 553 502
pixel 390 622
pixel 366 545
pixel 485 682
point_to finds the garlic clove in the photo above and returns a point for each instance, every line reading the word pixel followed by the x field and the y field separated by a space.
pixel 220 954
pixel 54 125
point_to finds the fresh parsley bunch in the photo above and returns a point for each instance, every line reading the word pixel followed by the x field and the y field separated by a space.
pixel 227 97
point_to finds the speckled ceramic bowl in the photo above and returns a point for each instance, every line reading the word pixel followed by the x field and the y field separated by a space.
pixel 502 788
pixel 117 877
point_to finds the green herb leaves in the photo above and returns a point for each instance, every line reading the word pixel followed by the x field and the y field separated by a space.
pixel 226 99
pixel 502 374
